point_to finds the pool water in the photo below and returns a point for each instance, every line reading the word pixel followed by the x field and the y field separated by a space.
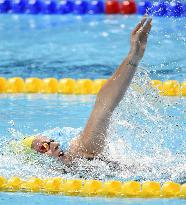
pixel 60 117
pixel 146 137
pixel 40 199
pixel 86 46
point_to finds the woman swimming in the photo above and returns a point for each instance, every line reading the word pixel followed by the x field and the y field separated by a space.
pixel 90 143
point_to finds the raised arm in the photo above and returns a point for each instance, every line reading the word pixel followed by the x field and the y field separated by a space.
pixel 92 140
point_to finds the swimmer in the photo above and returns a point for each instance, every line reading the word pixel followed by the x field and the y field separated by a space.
pixel 91 142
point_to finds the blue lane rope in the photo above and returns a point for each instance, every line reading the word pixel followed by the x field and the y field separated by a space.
pixel 162 8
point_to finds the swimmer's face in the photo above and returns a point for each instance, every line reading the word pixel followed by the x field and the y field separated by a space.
pixel 47 146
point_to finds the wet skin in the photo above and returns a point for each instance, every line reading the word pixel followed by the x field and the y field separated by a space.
pixel 47 146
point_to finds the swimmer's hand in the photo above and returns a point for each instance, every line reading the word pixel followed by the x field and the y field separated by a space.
pixel 139 38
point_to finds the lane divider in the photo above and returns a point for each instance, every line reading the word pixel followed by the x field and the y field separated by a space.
pixel 79 87
pixel 74 187
pixel 80 7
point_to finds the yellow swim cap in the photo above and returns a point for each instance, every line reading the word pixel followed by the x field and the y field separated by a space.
pixel 27 141
pixel 22 146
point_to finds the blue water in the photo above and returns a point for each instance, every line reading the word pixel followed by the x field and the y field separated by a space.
pixel 88 46
pixel 147 132
pixel 39 199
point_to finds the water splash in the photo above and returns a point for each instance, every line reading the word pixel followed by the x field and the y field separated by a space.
pixel 152 130
pixel 145 142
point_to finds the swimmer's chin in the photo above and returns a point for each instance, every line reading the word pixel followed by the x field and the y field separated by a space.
pixel 61 156
pixel 64 158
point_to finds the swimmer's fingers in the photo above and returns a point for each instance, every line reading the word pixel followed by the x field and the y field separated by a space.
pixel 139 25
pixel 147 27
pixel 139 37
pixel 145 31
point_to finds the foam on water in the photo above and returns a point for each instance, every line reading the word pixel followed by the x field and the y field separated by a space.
pixel 145 142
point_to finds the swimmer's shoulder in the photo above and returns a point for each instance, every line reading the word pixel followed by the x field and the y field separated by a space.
pixel 77 149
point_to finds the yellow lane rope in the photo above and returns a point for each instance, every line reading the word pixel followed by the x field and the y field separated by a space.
pixel 79 87
pixel 79 187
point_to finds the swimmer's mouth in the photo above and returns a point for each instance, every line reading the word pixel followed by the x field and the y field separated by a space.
pixel 61 153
